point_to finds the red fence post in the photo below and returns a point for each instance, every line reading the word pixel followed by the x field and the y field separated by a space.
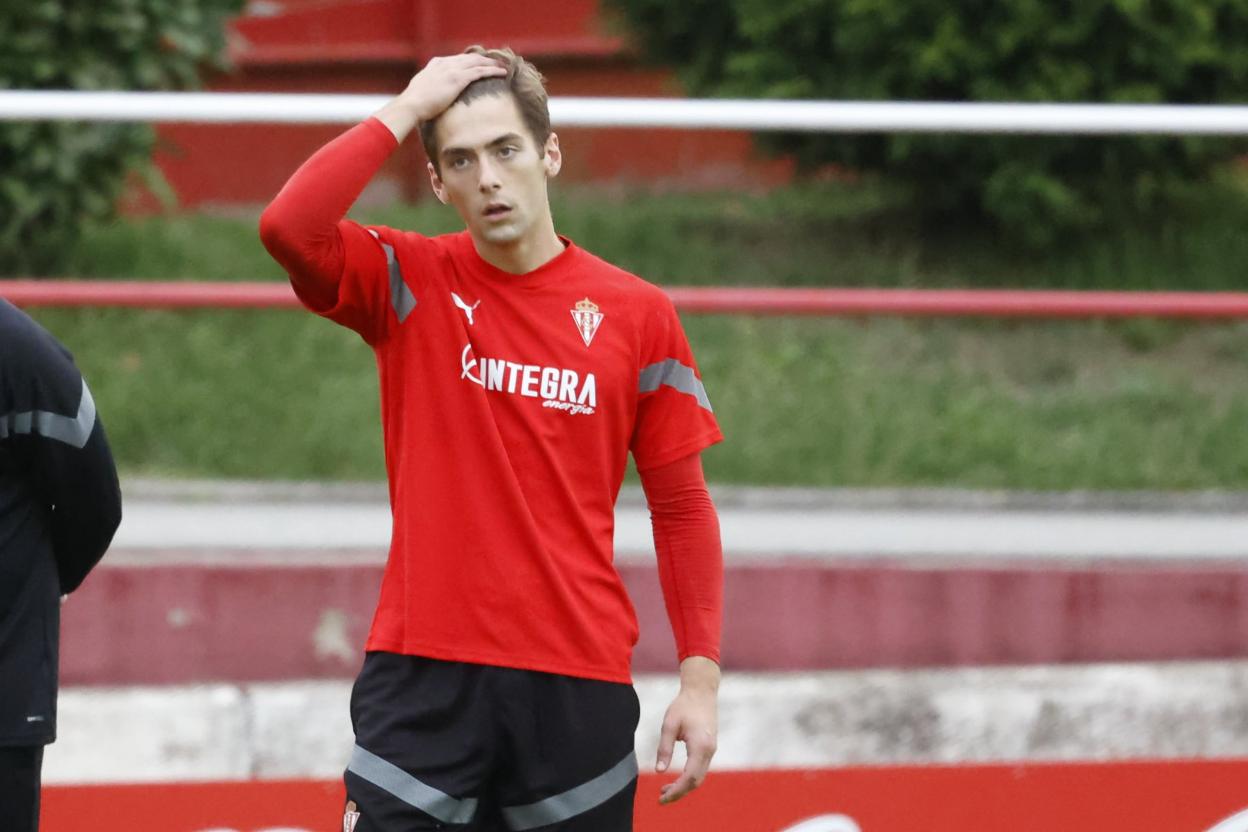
pixel 979 303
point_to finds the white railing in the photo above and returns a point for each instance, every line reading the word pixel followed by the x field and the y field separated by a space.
pixel 709 114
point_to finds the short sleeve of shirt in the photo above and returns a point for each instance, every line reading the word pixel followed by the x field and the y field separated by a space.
pixel 380 278
pixel 674 415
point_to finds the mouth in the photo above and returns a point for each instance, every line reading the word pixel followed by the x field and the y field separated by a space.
pixel 496 210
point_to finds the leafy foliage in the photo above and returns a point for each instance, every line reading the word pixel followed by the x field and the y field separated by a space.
pixel 1112 51
pixel 58 175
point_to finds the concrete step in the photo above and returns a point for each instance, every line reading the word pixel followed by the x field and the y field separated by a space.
pixel 832 718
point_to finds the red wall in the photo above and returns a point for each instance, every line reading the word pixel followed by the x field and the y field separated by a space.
pixel 197 621
pixel 374 46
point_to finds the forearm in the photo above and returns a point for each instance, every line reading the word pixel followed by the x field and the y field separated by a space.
pixel 400 116
pixel 300 226
pixel 690 555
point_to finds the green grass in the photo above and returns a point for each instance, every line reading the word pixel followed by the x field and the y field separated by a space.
pixel 1131 405
pixel 1035 406
pixel 801 401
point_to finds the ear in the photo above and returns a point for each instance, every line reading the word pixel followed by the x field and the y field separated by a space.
pixel 553 156
pixel 439 189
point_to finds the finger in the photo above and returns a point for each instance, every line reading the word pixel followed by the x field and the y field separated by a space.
pixel 675 791
pixel 483 62
pixel 699 763
pixel 702 749
pixel 667 744
pixel 466 75
pixel 475 60
pixel 696 768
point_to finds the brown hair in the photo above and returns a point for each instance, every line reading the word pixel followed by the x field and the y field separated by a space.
pixel 522 81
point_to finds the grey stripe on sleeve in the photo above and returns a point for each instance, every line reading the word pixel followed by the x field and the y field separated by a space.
pixel 573 802
pixel 413 792
pixel 72 430
pixel 401 297
pixel 678 376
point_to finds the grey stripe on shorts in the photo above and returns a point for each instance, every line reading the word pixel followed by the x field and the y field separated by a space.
pixel 569 804
pixel 389 777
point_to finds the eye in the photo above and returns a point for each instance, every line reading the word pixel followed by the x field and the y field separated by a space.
pixel 459 163
pixel 507 151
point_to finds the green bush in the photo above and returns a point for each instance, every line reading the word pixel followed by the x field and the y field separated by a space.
pixel 1137 51
pixel 54 176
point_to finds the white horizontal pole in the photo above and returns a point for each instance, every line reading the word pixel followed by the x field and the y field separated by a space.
pixel 902 116
pixel 198 107
pixel 710 114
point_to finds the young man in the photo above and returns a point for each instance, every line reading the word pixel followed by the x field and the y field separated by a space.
pixel 517 372
pixel 59 506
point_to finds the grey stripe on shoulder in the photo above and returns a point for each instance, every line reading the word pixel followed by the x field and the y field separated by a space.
pixel 573 802
pixel 72 430
pixel 433 802
pixel 676 375
pixel 401 297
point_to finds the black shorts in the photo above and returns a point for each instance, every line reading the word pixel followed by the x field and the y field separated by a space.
pixel 465 746
pixel 20 769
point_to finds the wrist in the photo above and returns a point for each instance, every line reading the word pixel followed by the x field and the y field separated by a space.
pixel 699 674
pixel 400 116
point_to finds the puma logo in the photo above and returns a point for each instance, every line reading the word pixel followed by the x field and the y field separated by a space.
pixel 467 309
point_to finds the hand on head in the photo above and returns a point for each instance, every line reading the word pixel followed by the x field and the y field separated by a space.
pixel 436 87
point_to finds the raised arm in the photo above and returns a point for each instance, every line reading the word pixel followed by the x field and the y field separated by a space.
pixel 300 227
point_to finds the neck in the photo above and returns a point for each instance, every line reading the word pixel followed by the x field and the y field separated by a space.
pixel 522 256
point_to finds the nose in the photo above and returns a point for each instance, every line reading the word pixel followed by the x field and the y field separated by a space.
pixel 488 176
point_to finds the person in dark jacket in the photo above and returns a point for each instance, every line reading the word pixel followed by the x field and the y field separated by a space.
pixel 59 507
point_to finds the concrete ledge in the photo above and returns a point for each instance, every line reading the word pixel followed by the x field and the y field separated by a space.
pixel 964 499
pixel 729 496
pixel 924 535
pixel 1090 712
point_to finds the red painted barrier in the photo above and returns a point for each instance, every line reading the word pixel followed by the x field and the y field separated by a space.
pixel 148 295
pixel 1172 796
pixel 993 303
pixel 197 623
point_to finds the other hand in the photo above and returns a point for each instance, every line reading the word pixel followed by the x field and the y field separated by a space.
pixel 693 719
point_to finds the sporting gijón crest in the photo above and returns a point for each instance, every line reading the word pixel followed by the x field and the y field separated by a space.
pixel 588 318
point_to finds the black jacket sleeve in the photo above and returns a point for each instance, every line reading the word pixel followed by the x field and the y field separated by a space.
pixel 48 415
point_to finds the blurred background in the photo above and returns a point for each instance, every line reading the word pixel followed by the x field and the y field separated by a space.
pixel 984 570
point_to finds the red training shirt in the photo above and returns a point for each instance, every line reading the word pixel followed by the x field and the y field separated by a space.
pixel 509 404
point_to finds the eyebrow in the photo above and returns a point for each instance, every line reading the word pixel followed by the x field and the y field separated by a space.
pixel 501 140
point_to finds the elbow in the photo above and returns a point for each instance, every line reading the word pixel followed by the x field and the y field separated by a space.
pixel 274 234
pixel 294 246
pixel 284 236
pixel 308 255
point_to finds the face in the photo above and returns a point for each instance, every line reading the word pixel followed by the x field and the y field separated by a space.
pixel 493 172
